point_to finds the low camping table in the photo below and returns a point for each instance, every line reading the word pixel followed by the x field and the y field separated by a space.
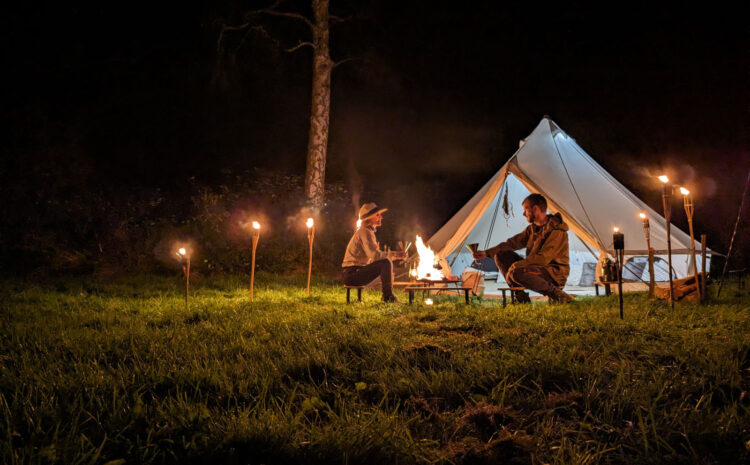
pixel 426 285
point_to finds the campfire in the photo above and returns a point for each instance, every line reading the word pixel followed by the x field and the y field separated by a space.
pixel 427 261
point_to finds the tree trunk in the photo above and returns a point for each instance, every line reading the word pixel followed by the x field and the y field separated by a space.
pixel 317 145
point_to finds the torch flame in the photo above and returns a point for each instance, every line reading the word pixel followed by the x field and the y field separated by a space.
pixel 427 261
pixel 309 223
pixel 616 229
pixel 359 223
pixel 684 191
pixel 642 215
pixel 428 301
pixel 182 251
pixel 256 225
pixel 663 179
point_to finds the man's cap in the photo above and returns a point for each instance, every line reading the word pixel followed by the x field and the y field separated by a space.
pixel 370 209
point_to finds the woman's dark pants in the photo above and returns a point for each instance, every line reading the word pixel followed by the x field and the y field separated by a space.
pixel 363 275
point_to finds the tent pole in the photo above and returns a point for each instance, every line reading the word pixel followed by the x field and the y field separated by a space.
pixel 731 242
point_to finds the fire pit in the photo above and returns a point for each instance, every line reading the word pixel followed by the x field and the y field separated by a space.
pixel 429 277
pixel 428 285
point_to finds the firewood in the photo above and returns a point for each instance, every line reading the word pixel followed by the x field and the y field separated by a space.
pixel 683 288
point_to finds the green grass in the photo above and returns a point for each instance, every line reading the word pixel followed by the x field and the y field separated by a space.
pixel 122 372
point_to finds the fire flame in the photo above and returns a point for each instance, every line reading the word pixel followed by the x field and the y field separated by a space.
pixel 359 223
pixel 427 261
pixel 664 179
pixel 684 191
pixel 309 223
pixel 256 225
pixel 182 251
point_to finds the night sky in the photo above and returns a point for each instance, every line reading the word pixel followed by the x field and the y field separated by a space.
pixel 433 98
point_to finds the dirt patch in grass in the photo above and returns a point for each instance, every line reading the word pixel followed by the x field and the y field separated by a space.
pixel 403 320
pixel 428 355
pixel 556 399
pixel 429 348
pixel 428 317
pixel 506 447
pixel 427 408
pixel 485 420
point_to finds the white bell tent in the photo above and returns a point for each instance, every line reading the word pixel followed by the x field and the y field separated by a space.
pixel 590 200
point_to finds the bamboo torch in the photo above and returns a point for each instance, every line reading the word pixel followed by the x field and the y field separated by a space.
pixel 310 237
pixel 256 238
pixel 666 198
pixel 647 232
pixel 184 257
pixel 704 296
pixel 687 199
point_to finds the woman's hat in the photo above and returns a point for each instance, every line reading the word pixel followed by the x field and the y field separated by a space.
pixel 370 209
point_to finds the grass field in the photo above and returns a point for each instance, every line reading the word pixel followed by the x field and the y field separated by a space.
pixel 121 372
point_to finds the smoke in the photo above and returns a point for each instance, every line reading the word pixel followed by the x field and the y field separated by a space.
pixel 354 182
pixel 645 178
pixel 297 220
pixel 239 225
pixel 166 249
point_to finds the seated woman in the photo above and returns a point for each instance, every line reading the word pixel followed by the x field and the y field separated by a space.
pixel 363 260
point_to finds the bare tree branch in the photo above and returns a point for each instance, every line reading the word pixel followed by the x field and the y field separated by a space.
pixel 341 62
pixel 272 11
pixel 338 19
pixel 299 46
pixel 225 28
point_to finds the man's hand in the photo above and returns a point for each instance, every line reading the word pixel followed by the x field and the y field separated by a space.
pixel 479 254
pixel 397 255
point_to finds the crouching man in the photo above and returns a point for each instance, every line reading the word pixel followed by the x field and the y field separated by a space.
pixel 546 266
pixel 363 260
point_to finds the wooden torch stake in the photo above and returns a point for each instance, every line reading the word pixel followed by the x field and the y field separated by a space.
pixel 692 251
pixel 647 232
pixel 667 201
pixel 310 238
pixel 186 268
pixel 256 236
pixel 704 273
pixel 620 256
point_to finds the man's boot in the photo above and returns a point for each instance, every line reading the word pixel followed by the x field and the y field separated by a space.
pixel 391 299
pixel 522 297
pixel 558 297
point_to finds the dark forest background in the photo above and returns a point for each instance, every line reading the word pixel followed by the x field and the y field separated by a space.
pixel 123 131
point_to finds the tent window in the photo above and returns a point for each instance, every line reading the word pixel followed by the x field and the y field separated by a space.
pixel 636 269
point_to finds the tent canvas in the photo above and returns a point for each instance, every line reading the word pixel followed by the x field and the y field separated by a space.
pixel 590 200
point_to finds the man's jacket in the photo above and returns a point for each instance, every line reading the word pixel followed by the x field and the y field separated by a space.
pixel 363 248
pixel 546 246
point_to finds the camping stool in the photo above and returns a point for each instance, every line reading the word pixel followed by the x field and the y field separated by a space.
pixel 359 292
pixel 511 289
